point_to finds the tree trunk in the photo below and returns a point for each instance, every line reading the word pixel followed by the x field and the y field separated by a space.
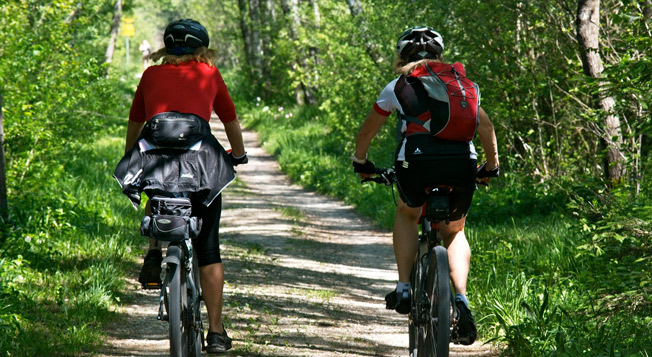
pixel 244 29
pixel 291 10
pixel 250 26
pixel 268 24
pixel 256 39
pixel 354 7
pixel 3 177
pixel 647 9
pixel 310 88
pixel 73 15
pixel 115 27
pixel 588 37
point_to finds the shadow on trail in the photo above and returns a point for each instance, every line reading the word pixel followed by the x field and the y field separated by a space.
pixel 302 286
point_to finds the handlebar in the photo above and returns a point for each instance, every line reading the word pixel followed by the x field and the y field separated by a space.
pixel 385 176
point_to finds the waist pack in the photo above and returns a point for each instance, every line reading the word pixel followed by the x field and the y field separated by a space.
pixel 170 220
pixel 440 98
pixel 173 129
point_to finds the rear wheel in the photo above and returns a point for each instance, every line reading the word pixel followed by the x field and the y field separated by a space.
pixel 439 293
pixel 196 330
pixel 418 319
pixel 177 305
pixel 412 325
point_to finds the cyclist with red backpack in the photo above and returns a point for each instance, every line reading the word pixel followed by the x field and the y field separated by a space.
pixel 439 114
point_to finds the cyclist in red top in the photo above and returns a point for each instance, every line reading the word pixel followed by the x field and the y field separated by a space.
pixel 422 161
pixel 187 81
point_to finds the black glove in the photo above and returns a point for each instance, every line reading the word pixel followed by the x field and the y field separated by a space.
pixel 238 160
pixel 483 172
pixel 367 168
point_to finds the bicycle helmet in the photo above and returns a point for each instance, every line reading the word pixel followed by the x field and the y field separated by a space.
pixel 184 36
pixel 419 43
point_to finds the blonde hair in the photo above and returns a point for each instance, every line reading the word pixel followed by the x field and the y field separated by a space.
pixel 202 54
pixel 404 66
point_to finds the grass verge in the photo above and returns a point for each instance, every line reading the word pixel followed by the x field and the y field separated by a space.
pixel 65 251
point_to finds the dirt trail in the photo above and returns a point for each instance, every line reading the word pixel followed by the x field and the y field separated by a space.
pixel 305 276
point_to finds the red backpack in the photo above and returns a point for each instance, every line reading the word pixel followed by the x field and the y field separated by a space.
pixel 440 98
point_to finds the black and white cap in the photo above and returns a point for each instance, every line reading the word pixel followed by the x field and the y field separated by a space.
pixel 419 43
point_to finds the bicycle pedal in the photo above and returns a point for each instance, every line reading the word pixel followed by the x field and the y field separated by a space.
pixel 151 286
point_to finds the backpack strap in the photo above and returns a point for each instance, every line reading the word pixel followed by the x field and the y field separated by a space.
pixel 432 73
pixel 415 120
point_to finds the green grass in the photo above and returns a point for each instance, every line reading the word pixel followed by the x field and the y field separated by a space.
pixel 292 213
pixel 65 253
pixel 319 294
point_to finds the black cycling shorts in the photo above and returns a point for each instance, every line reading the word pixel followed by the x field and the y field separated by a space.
pixel 460 174
pixel 207 244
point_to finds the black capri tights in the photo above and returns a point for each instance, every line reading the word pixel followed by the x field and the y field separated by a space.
pixel 207 244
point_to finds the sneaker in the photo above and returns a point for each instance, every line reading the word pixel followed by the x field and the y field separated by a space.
pixel 399 303
pixel 150 274
pixel 465 331
pixel 218 342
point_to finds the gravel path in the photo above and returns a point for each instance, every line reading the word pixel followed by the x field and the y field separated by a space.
pixel 305 276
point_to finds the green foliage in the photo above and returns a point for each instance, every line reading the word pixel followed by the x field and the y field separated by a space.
pixel 561 260
pixel 52 82
pixel 65 254
pixel 62 248
pixel 559 257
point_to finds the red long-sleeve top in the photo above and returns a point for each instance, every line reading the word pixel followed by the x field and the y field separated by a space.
pixel 191 87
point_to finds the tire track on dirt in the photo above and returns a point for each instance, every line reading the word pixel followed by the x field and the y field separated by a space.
pixel 305 276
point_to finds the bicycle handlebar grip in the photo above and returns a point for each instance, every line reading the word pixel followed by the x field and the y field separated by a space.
pixel 483 172
pixel 367 168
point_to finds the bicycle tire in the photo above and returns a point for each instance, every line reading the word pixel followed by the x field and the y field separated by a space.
pixel 418 325
pixel 177 305
pixel 412 327
pixel 196 331
pixel 439 292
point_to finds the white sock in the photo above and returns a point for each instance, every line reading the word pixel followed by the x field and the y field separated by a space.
pixel 403 289
pixel 462 298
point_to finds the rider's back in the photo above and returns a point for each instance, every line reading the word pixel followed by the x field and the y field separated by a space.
pixel 189 87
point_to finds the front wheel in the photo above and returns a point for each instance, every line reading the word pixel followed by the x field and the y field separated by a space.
pixel 439 293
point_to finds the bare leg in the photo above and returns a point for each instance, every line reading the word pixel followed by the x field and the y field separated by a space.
pixel 459 253
pixel 406 231
pixel 212 282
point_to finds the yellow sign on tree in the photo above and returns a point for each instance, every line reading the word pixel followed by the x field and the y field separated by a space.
pixel 128 27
